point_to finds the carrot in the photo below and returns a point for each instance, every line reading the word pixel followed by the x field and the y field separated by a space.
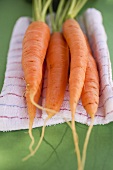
pixel 90 95
pixel 78 49
pixel 57 65
pixel 34 49
pixel 90 91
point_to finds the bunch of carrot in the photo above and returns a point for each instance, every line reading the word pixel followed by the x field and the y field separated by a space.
pixel 38 45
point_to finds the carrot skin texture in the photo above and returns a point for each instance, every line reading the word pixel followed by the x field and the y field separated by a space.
pixel 78 49
pixel 90 91
pixel 34 49
pixel 57 65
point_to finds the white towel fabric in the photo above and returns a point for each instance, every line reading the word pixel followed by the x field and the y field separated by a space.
pixel 13 110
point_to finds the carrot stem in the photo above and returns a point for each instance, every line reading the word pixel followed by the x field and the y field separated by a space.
pixel 73 3
pixel 36 10
pixel 61 19
pixel 86 142
pixel 52 18
pixel 40 9
pixel 40 5
pixel 59 10
pixel 60 15
pixel 45 9
pixel 78 7
pixel 43 3
pixel 75 7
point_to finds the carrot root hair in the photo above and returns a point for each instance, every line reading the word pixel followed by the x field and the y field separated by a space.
pixel 40 107
pixel 75 137
pixel 31 135
pixel 32 119
pixel 40 141
pixel 86 142
pixel 68 123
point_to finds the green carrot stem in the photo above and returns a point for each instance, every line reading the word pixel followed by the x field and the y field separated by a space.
pixel 40 5
pixel 59 10
pixel 62 18
pixel 40 10
pixel 48 2
pixel 43 3
pixel 36 11
pixel 78 7
pixel 70 12
pixel 54 29
pixel 75 7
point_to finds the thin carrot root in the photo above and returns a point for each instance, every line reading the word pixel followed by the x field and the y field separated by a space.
pixel 31 136
pixel 32 119
pixel 69 124
pixel 40 107
pixel 75 137
pixel 40 141
pixel 32 142
pixel 86 142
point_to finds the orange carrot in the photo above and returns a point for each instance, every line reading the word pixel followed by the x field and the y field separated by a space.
pixel 78 49
pixel 90 91
pixel 34 49
pixel 57 65
pixel 35 44
pixel 90 95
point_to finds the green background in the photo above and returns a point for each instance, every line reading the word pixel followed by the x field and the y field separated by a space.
pixel 57 150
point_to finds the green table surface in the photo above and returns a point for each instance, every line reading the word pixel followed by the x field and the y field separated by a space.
pixel 57 149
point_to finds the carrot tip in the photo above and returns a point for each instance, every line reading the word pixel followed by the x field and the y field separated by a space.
pixel 32 140
pixel 75 137
pixel 39 143
pixel 30 134
pixel 86 142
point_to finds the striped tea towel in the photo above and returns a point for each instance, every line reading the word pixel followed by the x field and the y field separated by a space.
pixel 13 110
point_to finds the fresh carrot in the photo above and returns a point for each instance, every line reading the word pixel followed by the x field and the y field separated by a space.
pixel 78 49
pixel 34 49
pixel 57 66
pixel 90 95
pixel 57 76
pixel 90 91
